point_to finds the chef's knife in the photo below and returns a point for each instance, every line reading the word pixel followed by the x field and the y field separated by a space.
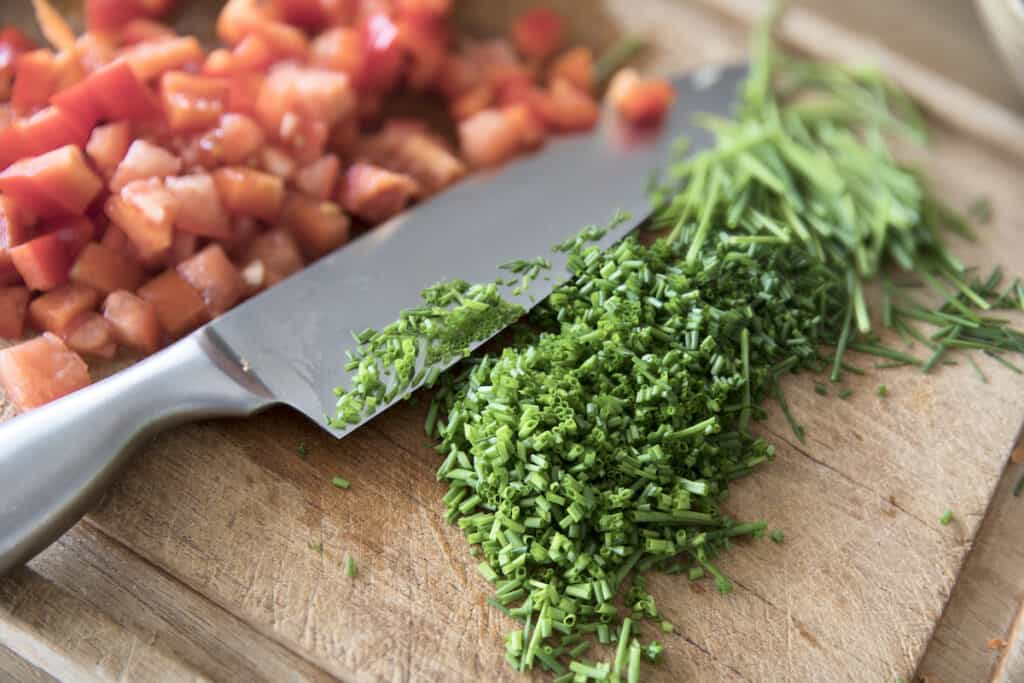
pixel 286 346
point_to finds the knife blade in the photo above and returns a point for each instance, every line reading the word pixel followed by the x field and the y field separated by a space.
pixel 287 344
pixel 292 337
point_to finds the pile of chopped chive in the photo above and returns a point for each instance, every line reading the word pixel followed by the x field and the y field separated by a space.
pixel 600 443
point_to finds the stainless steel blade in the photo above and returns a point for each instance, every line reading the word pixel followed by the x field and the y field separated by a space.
pixel 293 337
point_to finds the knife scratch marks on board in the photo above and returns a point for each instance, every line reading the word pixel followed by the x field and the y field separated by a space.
pixel 458 567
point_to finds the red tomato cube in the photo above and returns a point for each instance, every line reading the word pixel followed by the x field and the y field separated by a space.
pixel 40 370
pixel 15 224
pixel 376 194
pixel 106 269
pixel 111 92
pixel 319 227
pixel 91 335
pixel 278 252
pixel 247 192
pixel 317 180
pixel 571 109
pixel 152 58
pixel 488 138
pixel 183 247
pixel 145 210
pixel 577 67
pixel 192 102
pixel 35 79
pixel 236 138
pixel 382 54
pixel 43 262
pixel 55 311
pixel 74 232
pixel 53 184
pixel 143 161
pixel 178 305
pixel 48 129
pixel 532 130
pixel 538 33
pixel 216 279
pixel 13 307
pixel 201 211
pixel 640 101
pixel 9 275
pixel 108 145
pixel 338 49
pixel 133 321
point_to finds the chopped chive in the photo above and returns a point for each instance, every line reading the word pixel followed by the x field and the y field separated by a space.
pixel 777 536
pixel 946 518
pixel 340 483
pixel 845 394
pixel 883 390
pixel 1018 487
pixel 350 567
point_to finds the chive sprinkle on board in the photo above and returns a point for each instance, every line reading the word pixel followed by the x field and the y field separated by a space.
pixel 946 518
pixel 598 441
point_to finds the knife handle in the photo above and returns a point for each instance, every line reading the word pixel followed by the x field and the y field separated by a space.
pixel 57 460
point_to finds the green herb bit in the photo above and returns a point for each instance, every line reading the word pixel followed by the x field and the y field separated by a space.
pixel 845 394
pixel 883 391
pixel 340 483
pixel 302 449
pixel 946 518
pixel 777 536
pixel 1018 487
pixel 820 389
pixel 980 210
pixel 317 546
pixel 667 627
pixel 616 57
pixel 350 567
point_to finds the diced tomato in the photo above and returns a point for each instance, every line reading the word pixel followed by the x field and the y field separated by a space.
pixel 457 75
pixel 178 305
pixel 133 321
pixel 338 49
pixel 251 54
pixel 144 30
pixel 305 92
pixel 538 32
pixel 144 160
pixel 382 56
pixel 15 39
pixel 11 145
pixel 108 145
pixel 247 192
pixel 214 277
pixel 317 180
pixel 577 67
pixel 183 247
pixel 571 109
pixel 13 307
pixel 244 229
pixel 68 68
pixel 111 92
pixel 238 17
pixel 276 161
pixel 488 138
pixel 43 262
pixel 110 15
pixel 319 227
pixel 8 273
pixel 15 224
pixel 532 131
pixel 55 311
pixel 40 370
pixel 74 232
pixel 192 102
pixel 424 40
pixel 154 57
pixel 472 102
pixel 48 129
pixel 236 138
pixel 91 335
pixel 201 211
pixel 313 14
pixel 95 50
pixel 376 194
pixel 640 101
pixel 35 79
pixel 244 92
pixel 425 7
pixel 52 184
pixel 278 252
pixel 145 210
pixel 418 155
pixel 105 269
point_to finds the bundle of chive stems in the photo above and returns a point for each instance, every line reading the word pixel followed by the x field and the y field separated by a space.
pixel 599 443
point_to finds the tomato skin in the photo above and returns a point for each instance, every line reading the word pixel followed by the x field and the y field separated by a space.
pixel 11 145
pixel 48 129
pixel 13 310
pixel 318 179
pixel 191 102
pixel 91 335
pixel 489 138
pixel 538 32
pixel 16 225
pixel 376 194
pixel 278 252
pixel 145 210
pixel 577 67
pixel 201 211
pixel 112 92
pixel 133 321
pixel 318 227
pixel 40 370
pixel 56 183
pixel 108 145
pixel 110 15
pixel 35 79
pixel 142 161
pixel 156 57
pixel 74 231
pixel 382 54
pixel 43 262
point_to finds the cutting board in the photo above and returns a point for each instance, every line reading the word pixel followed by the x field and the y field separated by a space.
pixel 219 552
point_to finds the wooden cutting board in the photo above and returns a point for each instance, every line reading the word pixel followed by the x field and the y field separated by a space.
pixel 199 564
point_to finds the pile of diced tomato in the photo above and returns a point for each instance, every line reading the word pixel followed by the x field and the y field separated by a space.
pixel 148 185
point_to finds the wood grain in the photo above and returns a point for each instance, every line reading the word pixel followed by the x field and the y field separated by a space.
pixel 199 563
